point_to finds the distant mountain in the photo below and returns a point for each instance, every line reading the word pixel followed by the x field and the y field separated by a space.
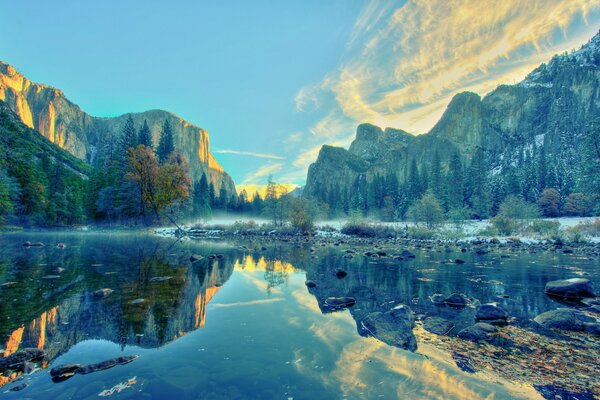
pixel 282 188
pixel 518 139
pixel 47 110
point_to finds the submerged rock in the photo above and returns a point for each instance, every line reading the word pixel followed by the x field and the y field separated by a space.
pixel 407 254
pixel 196 257
pixel 576 288
pixel 456 300
pixel 592 327
pixel 160 279
pixel 478 331
pixel 100 293
pixel 310 284
pixel 61 246
pixel 438 299
pixel 340 273
pixel 437 325
pixel 591 301
pixel 564 318
pixel 393 327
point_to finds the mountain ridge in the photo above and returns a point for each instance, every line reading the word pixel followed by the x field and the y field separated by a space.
pixel 47 110
pixel 544 116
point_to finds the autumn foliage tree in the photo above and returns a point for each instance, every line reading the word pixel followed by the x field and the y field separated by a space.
pixel 161 187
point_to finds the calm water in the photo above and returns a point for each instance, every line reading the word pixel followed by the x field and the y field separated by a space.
pixel 244 326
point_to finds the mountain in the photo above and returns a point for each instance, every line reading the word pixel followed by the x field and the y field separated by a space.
pixel 47 110
pixel 252 190
pixel 39 181
pixel 526 137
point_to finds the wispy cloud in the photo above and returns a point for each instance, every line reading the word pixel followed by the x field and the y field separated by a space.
pixel 250 154
pixel 254 178
pixel 404 60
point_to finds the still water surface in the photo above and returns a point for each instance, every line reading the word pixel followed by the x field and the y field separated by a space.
pixel 244 326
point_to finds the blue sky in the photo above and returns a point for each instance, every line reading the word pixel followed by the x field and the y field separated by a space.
pixel 274 80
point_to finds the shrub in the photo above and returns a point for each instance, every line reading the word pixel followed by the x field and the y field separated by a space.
pixel 421 233
pixel 427 210
pixel 366 229
pixel 503 225
pixel 545 227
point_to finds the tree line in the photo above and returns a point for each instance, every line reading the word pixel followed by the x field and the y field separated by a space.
pixel 475 189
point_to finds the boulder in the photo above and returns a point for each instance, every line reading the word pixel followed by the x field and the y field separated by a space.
pixel 490 312
pixel 575 288
pixel 310 284
pixel 437 325
pixel 456 300
pixel 195 257
pixel 564 318
pixel 592 327
pixel 478 331
pixel 407 254
pixel 340 273
pixel 16 360
pixel 393 327
pixel 591 301
pixel 438 299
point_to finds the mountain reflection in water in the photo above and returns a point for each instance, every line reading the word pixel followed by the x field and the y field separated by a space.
pixel 261 314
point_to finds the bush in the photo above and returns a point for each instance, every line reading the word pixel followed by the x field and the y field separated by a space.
pixel 503 225
pixel 301 215
pixel 427 210
pixel 366 229
pixel 545 227
pixel 421 233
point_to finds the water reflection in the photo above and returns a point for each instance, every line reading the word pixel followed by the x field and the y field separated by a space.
pixel 267 334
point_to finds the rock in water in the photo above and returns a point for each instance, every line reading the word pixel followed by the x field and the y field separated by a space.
pixel 574 288
pixel 337 303
pixel 88 369
pixel 64 372
pixel 340 273
pixel 456 300
pixel 437 325
pixel 310 284
pixel 100 293
pixel 438 299
pixel 195 257
pixel 490 312
pixel 160 278
pixel 478 331
pixel 393 327
pixel 564 318
pixel 16 360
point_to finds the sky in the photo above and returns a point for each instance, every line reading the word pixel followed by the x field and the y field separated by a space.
pixel 272 81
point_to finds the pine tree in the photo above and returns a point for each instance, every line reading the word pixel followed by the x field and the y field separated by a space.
pixel 455 183
pixel 145 136
pixel 165 144
pixel 127 140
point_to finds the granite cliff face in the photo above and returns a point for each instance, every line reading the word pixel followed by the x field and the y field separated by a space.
pixel 47 110
pixel 548 112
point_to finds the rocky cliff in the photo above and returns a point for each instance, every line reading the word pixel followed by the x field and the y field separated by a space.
pixel 546 115
pixel 47 110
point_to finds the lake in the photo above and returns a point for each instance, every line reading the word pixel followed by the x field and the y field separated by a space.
pixel 244 325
